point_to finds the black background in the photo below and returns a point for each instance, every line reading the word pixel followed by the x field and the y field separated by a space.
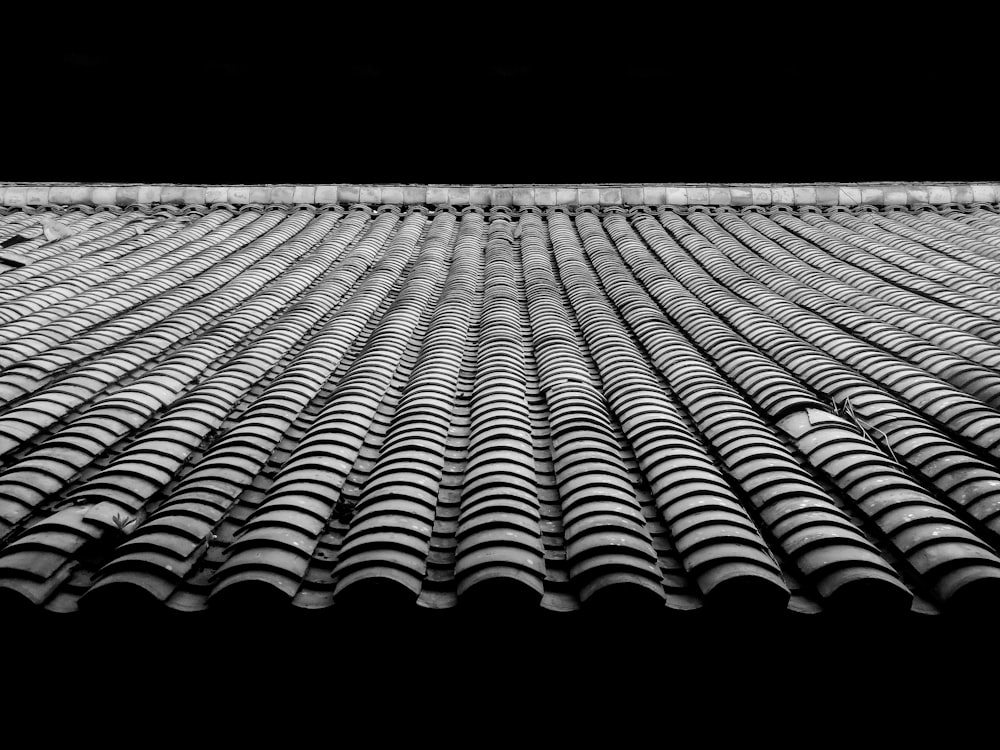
pixel 439 94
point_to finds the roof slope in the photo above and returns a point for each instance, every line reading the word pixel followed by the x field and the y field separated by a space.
pixel 775 408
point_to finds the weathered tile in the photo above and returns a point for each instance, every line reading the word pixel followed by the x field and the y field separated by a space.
pixel 194 195
pixel 239 195
pixel 654 195
pixel 545 196
pixel 392 194
pixel 783 195
pixel 761 196
pixel 961 193
pixel 16 195
pixel 984 193
pixel 349 194
pixel 104 195
pixel 827 195
pixel 632 195
pixel 589 196
pixel 804 195
pixel 414 195
pixel 719 196
pixel 850 195
pixel 37 196
pixel 873 195
pixel 127 195
pixel 502 197
pixel 173 194
pixel 304 194
pixel 479 196
pixel 458 196
pixel 698 195
pixel 62 195
pixel 566 196
pixel 216 194
pixel 282 194
pixel 741 196
pixel 611 196
pixel 939 194
pixel 437 195
pixel 260 194
pixel 895 196
pixel 326 194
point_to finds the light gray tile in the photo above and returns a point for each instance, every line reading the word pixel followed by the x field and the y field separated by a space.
pixel 783 195
pixel 804 195
pixel 611 196
pixel 719 196
pixel 304 194
pixel 326 194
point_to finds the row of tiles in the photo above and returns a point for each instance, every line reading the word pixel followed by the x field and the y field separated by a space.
pixel 571 410
pixel 900 194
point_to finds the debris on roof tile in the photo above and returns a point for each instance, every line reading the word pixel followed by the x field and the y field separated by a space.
pixel 747 407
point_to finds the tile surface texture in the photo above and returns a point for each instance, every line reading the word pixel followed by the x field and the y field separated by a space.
pixel 520 403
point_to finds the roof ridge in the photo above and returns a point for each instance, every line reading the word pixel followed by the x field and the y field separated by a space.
pixel 527 194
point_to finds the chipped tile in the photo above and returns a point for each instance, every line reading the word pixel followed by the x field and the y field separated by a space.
pixel 632 196
pixel 437 195
pixel 719 196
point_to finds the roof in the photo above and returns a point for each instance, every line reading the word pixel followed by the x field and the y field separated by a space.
pixel 773 408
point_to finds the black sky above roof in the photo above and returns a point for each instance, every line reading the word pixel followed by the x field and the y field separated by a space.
pixel 444 98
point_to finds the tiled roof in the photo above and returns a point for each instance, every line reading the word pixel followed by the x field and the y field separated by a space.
pixel 775 408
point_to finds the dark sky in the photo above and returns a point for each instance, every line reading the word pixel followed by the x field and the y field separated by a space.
pixel 435 97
